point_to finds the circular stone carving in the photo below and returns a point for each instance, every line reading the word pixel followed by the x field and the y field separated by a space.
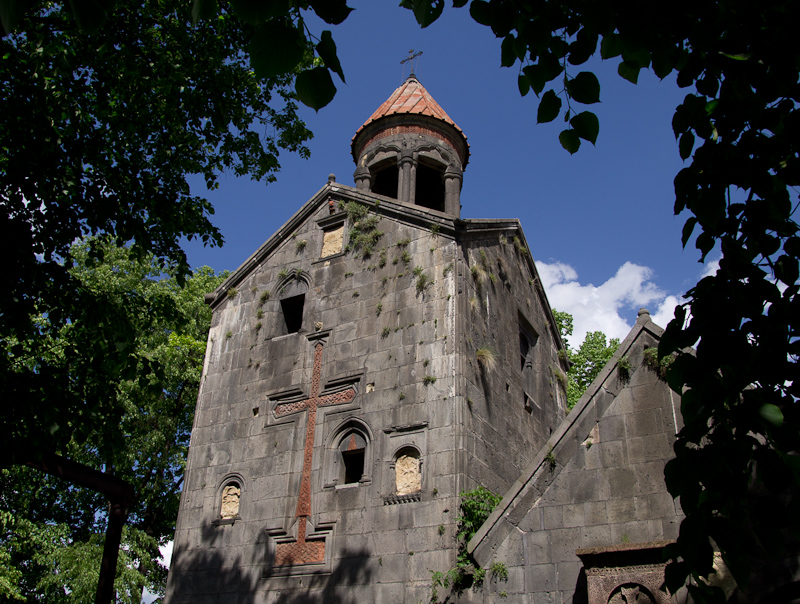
pixel 631 593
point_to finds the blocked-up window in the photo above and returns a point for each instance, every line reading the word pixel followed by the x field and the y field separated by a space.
pixel 332 241
pixel 231 494
pixel 407 472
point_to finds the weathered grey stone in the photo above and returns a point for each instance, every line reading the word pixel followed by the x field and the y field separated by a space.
pixel 399 367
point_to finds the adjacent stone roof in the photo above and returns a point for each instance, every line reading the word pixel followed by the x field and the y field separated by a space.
pixel 411 98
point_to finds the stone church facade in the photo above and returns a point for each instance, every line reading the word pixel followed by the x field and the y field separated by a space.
pixel 379 355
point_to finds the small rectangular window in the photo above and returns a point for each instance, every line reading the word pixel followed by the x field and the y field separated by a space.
pixel 293 312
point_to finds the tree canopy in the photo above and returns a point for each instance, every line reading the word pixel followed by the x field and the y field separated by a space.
pixel 587 360
pixel 99 130
pixel 51 532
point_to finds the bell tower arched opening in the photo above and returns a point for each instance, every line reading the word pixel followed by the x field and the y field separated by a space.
pixel 384 179
pixel 429 189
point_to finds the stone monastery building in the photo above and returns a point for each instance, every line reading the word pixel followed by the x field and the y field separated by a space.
pixel 378 356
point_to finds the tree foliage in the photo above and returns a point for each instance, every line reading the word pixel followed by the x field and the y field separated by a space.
pixel 476 507
pixel 587 360
pixel 51 541
pixel 99 131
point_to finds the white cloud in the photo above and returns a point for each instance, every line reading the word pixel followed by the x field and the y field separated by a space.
pixel 709 269
pixel 166 553
pixel 602 307
pixel 598 308
pixel 666 310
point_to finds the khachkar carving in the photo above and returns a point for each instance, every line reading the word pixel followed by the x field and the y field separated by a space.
pixel 307 551
pixel 631 593
pixel 628 573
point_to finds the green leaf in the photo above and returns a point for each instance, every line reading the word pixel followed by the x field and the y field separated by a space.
pixel 792 246
pixel 327 52
pixel 584 88
pixel 663 62
pixel 276 48
pixel 611 46
pixel 522 83
pixel 686 144
pixel 332 12
pixel 315 88
pixel 629 71
pixel 427 11
pixel 520 47
pixel 639 57
pixel 772 414
pixel 507 55
pixel 203 9
pixel 570 141
pixel 582 48
pixel 688 229
pixel 586 126
pixel 549 107
pixel 481 12
pixel 786 269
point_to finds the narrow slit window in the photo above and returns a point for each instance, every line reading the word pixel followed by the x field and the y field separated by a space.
pixel 293 312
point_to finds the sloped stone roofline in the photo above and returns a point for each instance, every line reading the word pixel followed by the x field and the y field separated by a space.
pixel 411 98
pixel 537 477
pixel 389 207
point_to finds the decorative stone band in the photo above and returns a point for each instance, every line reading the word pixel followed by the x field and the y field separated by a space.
pixel 309 551
pixel 395 499
pixel 301 551
pixel 345 396
pixel 409 129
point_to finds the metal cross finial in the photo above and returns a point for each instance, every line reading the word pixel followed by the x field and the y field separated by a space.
pixel 412 55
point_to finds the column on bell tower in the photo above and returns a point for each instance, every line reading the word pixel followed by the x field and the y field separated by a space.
pixel 411 150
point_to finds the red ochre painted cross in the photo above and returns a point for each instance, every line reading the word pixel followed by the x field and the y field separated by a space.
pixel 308 551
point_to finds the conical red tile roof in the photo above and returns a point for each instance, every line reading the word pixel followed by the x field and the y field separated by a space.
pixel 411 98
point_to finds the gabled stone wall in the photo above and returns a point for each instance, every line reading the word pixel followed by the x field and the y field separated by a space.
pixel 598 483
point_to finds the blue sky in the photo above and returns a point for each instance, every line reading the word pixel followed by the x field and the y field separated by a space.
pixel 600 223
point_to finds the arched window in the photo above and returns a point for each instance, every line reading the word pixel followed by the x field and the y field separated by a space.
pixel 352 449
pixel 228 500
pixel 349 455
pixel 407 471
pixel 384 178
pixel 430 185
pixel 292 297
